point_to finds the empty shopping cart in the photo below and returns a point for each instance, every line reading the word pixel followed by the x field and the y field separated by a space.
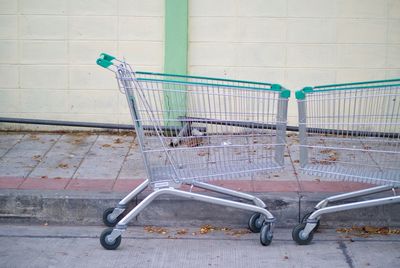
pixel 349 132
pixel 194 129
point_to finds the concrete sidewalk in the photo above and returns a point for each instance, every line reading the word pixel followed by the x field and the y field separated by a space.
pixel 61 246
pixel 53 176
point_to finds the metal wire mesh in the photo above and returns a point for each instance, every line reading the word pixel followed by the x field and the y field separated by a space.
pixel 195 128
pixel 351 132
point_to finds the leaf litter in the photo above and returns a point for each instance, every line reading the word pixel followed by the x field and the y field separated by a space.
pixel 367 231
pixel 203 230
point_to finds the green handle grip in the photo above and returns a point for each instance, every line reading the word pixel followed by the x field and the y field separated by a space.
pixel 105 60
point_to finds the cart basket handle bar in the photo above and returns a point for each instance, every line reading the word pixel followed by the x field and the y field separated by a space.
pixel 105 61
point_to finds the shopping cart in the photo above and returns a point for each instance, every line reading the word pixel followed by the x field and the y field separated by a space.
pixel 194 129
pixel 349 132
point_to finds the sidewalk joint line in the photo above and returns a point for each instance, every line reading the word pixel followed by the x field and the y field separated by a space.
pixel 123 162
pixel 18 141
pixel 81 161
pixel 43 156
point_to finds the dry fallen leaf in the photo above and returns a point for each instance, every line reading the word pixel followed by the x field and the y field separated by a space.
pixel 181 232
pixel 366 231
pixel 33 137
pixel 202 153
pixel 118 141
pixel 106 145
pixel 62 165
pixel 158 230
pixel 37 157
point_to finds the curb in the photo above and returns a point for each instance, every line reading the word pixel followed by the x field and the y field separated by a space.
pixel 86 208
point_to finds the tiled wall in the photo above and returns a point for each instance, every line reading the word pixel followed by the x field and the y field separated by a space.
pixel 48 48
pixel 48 51
pixel 295 42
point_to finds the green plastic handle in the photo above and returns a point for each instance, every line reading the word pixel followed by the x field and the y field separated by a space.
pixel 105 60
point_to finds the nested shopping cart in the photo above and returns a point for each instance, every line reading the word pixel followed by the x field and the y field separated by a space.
pixel 349 132
pixel 194 129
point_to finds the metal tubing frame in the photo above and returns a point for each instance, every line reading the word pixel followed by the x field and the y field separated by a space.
pixel 281 130
pixel 301 104
pixel 257 201
pixel 358 193
pixel 313 218
pixel 123 223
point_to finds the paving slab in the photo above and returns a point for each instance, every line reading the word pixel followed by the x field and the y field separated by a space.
pixel 60 246
pixel 83 164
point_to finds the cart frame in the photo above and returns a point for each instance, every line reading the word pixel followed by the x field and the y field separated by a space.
pixel 261 221
pixel 352 129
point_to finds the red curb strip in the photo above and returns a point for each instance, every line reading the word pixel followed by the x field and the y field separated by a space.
pixel 128 185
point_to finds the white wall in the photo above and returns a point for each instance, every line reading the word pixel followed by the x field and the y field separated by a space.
pixel 48 48
pixel 295 42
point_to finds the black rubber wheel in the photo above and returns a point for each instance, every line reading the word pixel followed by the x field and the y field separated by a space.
pixel 305 217
pixel 266 235
pixel 107 244
pixel 296 235
pixel 256 222
pixel 107 221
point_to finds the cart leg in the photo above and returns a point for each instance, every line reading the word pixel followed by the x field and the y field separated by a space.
pixel 324 203
pixel 256 220
pixel 359 193
pixel 111 215
pixel 257 201
pixel 303 232
pixel 112 236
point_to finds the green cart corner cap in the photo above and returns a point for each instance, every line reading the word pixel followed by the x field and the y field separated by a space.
pixel 301 94
pixel 285 93
pixel 105 60
pixel 106 57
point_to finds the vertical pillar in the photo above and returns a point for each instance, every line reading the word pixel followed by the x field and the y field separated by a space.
pixel 175 57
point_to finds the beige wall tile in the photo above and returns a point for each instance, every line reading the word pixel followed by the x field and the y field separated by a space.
pixel 141 8
pixel 43 77
pixel 10 101
pixel 91 77
pixel 8 51
pixel 8 7
pixel 28 7
pixel 8 27
pixel 361 56
pixel 311 31
pixel 261 30
pixel 44 52
pixel 43 27
pixel 361 31
pixel 312 8
pixel 93 28
pixel 311 55
pixel 208 8
pixel 9 76
pixel 93 7
pixel 362 8
pixel 262 8
pixel 141 28
pixel 44 101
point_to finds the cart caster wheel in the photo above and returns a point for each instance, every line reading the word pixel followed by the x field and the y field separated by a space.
pixel 256 222
pixel 110 245
pixel 266 235
pixel 297 235
pixel 305 217
pixel 106 219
